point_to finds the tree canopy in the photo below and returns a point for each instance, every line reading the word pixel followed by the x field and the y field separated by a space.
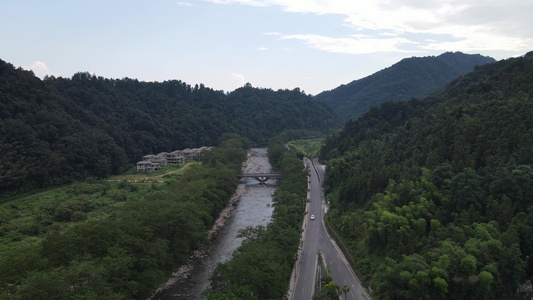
pixel 414 77
pixel 58 130
pixel 109 240
pixel 434 196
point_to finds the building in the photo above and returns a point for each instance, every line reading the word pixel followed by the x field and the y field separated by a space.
pixel 148 166
pixel 151 163
pixel 175 157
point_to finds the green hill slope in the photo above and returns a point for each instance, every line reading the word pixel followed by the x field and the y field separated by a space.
pixel 413 77
pixel 58 130
pixel 434 197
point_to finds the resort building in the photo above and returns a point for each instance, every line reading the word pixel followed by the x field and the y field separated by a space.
pixel 148 166
pixel 151 162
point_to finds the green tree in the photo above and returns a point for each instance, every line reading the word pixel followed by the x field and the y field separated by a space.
pixel 465 190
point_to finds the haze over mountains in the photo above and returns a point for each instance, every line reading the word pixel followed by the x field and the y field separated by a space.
pixel 414 77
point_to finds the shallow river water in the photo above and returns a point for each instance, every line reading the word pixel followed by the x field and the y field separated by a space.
pixel 254 208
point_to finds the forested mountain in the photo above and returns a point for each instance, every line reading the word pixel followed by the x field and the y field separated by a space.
pixel 434 197
pixel 61 129
pixel 413 77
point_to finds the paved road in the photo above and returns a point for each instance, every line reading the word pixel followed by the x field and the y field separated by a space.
pixel 316 239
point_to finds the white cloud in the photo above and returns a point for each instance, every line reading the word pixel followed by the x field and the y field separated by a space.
pixel 468 25
pixel 181 3
pixel 40 69
pixel 272 33
pixel 481 41
pixel 244 2
pixel 238 79
pixel 354 45
pixel 262 48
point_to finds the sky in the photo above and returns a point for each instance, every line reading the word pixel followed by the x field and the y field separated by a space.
pixel 313 45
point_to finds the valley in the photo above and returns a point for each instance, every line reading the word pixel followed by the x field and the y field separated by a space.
pixel 430 196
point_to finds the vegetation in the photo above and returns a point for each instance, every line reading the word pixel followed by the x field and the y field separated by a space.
pixel 326 289
pixel 168 172
pixel 112 240
pixel 412 77
pixel 434 197
pixel 261 266
pixel 60 130
pixel 306 147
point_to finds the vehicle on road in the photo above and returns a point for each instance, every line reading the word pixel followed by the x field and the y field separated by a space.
pixel 312 217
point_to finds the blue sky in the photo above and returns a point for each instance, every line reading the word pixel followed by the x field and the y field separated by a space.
pixel 315 45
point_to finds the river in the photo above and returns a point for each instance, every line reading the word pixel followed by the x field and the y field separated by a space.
pixel 254 207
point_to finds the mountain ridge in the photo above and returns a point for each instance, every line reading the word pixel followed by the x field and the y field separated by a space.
pixel 418 189
pixel 57 130
pixel 413 77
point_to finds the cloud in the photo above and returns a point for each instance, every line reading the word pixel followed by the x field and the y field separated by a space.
pixel 180 3
pixel 40 69
pixel 262 48
pixel 481 41
pixel 468 25
pixel 238 79
pixel 244 2
pixel 272 33
pixel 352 45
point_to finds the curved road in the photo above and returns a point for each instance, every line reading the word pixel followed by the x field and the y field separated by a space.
pixel 317 240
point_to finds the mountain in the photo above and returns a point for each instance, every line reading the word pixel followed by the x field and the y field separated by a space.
pixel 413 77
pixel 57 130
pixel 434 196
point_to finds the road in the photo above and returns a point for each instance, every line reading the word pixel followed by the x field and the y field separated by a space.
pixel 317 240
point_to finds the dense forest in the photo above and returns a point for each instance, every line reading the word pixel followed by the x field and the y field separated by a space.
pixel 57 130
pixel 434 197
pixel 113 240
pixel 413 77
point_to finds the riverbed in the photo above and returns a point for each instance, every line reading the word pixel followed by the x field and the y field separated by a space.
pixel 251 206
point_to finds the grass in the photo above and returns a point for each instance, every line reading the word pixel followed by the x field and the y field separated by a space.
pixel 308 147
pixel 28 219
pixel 169 172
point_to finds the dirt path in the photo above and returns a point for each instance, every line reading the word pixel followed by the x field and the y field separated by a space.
pixel 170 172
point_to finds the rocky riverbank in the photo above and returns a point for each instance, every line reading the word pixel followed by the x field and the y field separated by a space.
pixel 181 276
pixel 184 282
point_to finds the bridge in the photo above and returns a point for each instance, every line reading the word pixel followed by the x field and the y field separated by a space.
pixel 261 177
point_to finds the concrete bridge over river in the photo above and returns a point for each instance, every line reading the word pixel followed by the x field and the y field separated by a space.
pixel 261 177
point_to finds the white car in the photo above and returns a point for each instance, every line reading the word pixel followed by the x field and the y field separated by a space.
pixel 312 217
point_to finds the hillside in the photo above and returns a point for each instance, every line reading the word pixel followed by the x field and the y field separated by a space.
pixel 414 77
pixel 57 130
pixel 434 197
pixel 114 240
